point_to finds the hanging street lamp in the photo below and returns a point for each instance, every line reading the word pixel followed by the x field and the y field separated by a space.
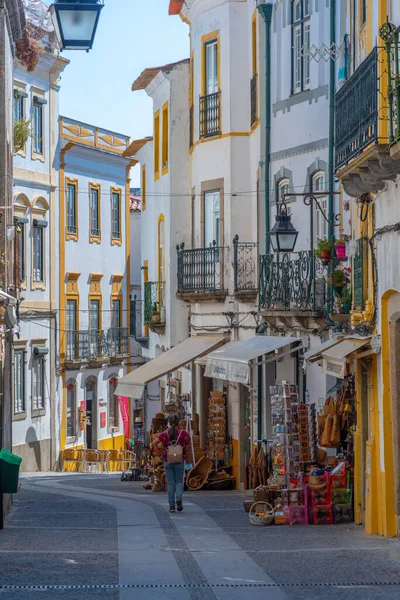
pixel 283 235
pixel 75 22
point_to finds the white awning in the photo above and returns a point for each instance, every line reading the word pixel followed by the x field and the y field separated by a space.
pixel 316 354
pixel 232 361
pixel 335 358
pixel 132 385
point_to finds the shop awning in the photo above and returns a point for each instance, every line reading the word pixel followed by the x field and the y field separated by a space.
pixel 335 358
pixel 232 361
pixel 132 385
pixel 316 354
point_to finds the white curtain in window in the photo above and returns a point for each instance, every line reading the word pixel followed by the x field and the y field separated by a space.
pixel 321 226
pixel 306 54
pixel 297 58
pixel 211 218
pixel 212 67
pixel 38 128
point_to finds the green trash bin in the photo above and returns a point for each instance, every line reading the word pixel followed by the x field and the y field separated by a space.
pixel 9 472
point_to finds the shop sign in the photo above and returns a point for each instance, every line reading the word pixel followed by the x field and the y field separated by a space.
pixel 124 408
pixel 336 368
pixel 227 371
pixel 172 382
pixel 103 419
pixel 82 405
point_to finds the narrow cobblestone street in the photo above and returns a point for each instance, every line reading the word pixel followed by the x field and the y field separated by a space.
pixel 90 536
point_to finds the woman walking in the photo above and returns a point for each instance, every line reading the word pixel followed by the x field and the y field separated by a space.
pixel 174 442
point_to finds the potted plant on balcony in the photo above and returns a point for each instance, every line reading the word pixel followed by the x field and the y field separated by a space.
pixel 340 247
pixel 155 313
pixel 324 250
pixel 345 300
pixel 338 279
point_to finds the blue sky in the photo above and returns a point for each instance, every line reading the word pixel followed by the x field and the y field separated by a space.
pixel 96 86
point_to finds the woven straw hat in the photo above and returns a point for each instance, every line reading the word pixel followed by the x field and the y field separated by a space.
pixel 315 483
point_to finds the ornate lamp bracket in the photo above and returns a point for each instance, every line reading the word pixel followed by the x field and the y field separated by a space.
pixel 312 198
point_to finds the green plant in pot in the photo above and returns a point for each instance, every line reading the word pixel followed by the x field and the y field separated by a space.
pixel 155 313
pixel 324 250
pixel 346 299
pixel 338 280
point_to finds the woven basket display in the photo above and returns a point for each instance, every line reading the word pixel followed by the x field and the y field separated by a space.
pixel 265 514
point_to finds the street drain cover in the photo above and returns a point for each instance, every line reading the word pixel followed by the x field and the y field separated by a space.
pixel 189 586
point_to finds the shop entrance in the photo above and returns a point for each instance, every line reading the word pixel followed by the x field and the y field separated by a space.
pixel 365 428
pixel 91 414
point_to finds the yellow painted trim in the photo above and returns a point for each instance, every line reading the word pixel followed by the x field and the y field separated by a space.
pixel 191 79
pixel 143 190
pixel 70 296
pixel 387 500
pixel 209 37
pixel 92 238
pixel 224 135
pixel 72 275
pixel 117 277
pixel 112 443
pixel 165 138
pixel 185 19
pixel 157 145
pixel 96 276
pixel 72 236
pixel 116 241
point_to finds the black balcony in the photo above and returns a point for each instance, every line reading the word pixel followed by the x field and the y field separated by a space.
pixel 253 99
pixel 393 55
pixel 154 303
pixel 94 345
pixel 210 115
pixel 201 270
pixel 245 271
pixel 357 110
pixel 292 282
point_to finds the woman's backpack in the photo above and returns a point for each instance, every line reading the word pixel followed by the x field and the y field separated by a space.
pixel 175 452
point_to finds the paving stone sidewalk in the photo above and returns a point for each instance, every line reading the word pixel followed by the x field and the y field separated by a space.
pixel 73 534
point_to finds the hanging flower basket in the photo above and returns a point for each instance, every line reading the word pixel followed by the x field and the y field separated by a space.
pixel 324 250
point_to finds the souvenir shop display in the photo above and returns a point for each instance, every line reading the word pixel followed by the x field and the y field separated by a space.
pixel 216 433
pixel 310 480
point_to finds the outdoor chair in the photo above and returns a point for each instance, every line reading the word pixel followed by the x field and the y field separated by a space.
pixel 114 460
pixel 92 459
pixel 128 460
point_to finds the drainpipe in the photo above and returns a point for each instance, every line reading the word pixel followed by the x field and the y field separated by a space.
pixel 266 13
pixel 331 160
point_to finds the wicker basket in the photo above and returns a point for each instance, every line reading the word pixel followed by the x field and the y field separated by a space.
pixel 262 507
pixel 247 505
pixel 260 494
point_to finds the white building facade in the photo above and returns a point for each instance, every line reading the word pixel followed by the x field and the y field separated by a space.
pixel 94 284
pixel 35 101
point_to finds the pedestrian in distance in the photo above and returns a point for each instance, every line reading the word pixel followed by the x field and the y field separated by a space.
pixel 174 443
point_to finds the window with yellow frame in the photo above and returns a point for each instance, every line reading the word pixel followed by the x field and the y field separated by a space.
pixel 165 140
pixel 143 187
pixel 157 145
pixel 71 186
pixel 116 234
pixel 95 222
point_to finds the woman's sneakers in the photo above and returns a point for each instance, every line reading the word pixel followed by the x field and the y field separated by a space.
pixel 179 505
pixel 172 509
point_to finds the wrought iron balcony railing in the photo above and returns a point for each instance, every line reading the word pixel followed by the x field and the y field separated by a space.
pixel 393 54
pixel 118 342
pixel 210 115
pixel 357 110
pixel 154 303
pixel 245 258
pixel 253 99
pixel 96 344
pixel 191 126
pixel 292 282
pixel 201 269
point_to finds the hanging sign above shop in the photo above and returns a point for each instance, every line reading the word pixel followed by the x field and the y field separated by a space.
pixel 336 368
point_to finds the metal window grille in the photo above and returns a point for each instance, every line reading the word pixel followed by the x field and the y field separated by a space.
pixel 253 99
pixel 210 115
pixel 38 383
pixel 201 269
